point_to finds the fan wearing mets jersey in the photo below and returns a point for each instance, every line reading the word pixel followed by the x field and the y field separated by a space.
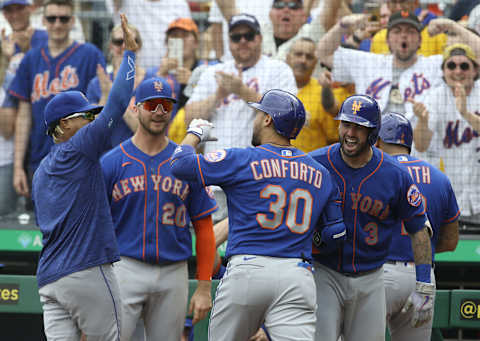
pixel 77 287
pixel 377 193
pixel 61 64
pixel 395 138
pixel 276 196
pixel 151 211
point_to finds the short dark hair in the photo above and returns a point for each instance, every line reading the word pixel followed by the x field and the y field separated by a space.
pixel 68 3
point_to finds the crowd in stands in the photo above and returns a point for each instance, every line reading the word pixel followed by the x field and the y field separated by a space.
pixel 412 58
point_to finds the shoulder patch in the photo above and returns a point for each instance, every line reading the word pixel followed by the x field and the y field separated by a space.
pixel 216 156
pixel 209 192
pixel 402 158
pixel 414 197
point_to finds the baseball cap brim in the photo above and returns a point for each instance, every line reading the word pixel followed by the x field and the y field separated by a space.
pixel 355 119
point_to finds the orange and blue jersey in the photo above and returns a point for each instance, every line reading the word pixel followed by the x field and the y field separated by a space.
pixel 276 196
pixel 439 201
pixel 40 76
pixel 375 198
pixel 151 208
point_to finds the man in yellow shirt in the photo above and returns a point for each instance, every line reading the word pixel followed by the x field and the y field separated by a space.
pixel 320 129
pixel 430 44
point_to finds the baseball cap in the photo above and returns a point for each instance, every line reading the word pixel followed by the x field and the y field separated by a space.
pixel 185 24
pixel 459 49
pixel 156 87
pixel 16 2
pixel 404 17
pixel 244 19
pixel 66 103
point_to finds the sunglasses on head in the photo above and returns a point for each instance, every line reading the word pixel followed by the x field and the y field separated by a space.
pixel 463 66
pixel 53 18
pixel 153 104
pixel 89 115
pixel 236 37
pixel 289 4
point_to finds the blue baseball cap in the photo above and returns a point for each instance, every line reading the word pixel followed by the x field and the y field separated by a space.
pixel 151 88
pixel 16 2
pixel 244 19
pixel 67 103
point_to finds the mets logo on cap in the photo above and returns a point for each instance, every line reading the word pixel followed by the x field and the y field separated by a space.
pixel 158 86
pixel 414 197
pixel 356 106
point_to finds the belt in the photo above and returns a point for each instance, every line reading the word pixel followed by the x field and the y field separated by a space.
pixel 400 262
pixel 359 273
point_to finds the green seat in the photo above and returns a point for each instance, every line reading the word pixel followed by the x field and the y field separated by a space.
pixel 201 328
pixel 441 317
pixel 465 309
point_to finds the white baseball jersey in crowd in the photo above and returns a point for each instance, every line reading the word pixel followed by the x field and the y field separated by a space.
pixel 373 74
pixel 455 141
pixel 233 118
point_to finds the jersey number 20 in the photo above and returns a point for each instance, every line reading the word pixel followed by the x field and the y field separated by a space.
pixel 278 207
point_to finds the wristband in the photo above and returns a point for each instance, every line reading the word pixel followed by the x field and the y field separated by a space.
pixel 422 272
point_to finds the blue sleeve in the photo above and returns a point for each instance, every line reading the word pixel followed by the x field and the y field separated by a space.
pixel 332 213
pixel 410 208
pixel 184 164
pixel 94 139
pixel 21 85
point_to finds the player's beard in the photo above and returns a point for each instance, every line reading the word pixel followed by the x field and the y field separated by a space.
pixel 153 132
pixel 362 147
pixel 255 140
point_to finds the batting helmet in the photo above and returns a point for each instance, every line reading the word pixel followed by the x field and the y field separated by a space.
pixel 396 129
pixel 362 110
pixel 286 110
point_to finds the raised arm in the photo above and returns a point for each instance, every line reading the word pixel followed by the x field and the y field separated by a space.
pixel 23 126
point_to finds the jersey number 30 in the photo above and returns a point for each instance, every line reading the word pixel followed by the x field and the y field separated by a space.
pixel 296 224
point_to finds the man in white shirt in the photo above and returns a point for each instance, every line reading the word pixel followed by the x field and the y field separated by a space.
pixel 224 89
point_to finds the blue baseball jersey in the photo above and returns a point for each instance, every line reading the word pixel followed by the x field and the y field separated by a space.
pixel 438 199
pixel 40 76
pixel 151 209
pixel 375 198
pixel 39 38
pixel 69 193
pixel 275 196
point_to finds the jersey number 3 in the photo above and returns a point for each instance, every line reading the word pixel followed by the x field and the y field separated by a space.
pixel 278 206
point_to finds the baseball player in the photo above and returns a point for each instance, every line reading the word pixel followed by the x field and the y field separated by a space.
pixel 151 211
pixel 77 286
pixel 276 196
pixel 395 138
pixel 59 65
pixel 377 193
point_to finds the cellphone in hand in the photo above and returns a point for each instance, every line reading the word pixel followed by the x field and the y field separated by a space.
pixel 175 50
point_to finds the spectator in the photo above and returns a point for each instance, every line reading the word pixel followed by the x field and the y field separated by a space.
pixel 99 87
pixel 224 89
pixel 158 255
pixel 430 44
pixel 218 18
pixel 13 48
pixel 152 18
pixel 61 64
pixel 402 76
pixel 178 72
pixel 474 19
pixel 447 126
pixel 320 129
pixel 288 22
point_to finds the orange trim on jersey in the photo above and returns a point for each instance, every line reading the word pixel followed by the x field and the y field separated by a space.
pixel 13 93
pixel 158 212
pixel 203 213
pixel 45 57
pixel 284 156
pixel 453 218
pixel 200 170
pixel 340 175
pixel 356 211
pixel 410 161
pixel 60 62
pixel 145 205
pixel 126 163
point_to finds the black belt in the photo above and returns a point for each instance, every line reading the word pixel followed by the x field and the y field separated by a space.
pixel 359 273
